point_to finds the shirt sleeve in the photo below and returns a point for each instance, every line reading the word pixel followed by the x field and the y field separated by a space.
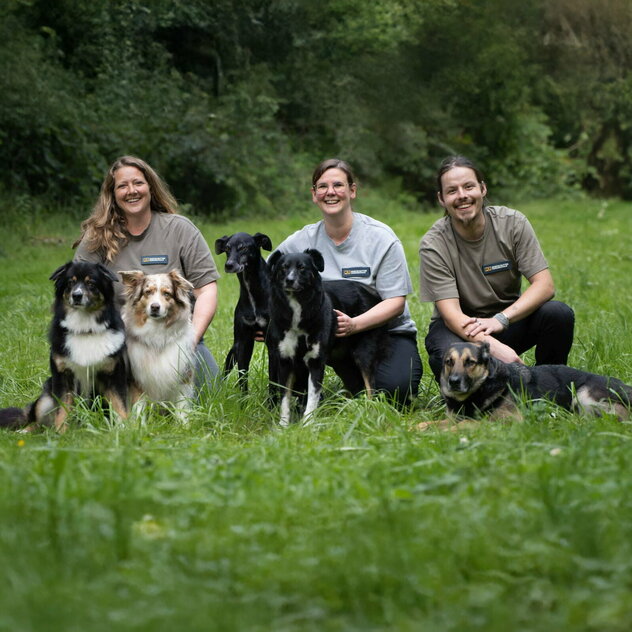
pixel 83 254
pixel 196 260
pixel 392 277
pixel 528 252
pixel 436 277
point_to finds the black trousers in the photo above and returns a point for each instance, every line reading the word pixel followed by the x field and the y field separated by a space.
pixel 549 329
pixel 399 374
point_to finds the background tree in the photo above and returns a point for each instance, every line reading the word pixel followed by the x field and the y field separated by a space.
pixel 235 101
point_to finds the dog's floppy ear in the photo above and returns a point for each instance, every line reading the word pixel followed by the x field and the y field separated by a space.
pixel 317 258
pixel 263 241
pixel 220 244
pixel 107 273
pixel 61 270
pixel 132 279
pixel 182 287
pixel 273 259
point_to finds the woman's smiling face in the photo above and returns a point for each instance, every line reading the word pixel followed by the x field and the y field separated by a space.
pixel 131 192
pixel 332 193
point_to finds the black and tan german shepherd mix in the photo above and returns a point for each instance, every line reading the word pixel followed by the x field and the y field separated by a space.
pixel 252 312
pixel 87 349
pixel 474 383
pixel 303 326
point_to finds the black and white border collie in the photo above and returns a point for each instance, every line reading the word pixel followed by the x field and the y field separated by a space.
pixel 87 349
pixel 303 326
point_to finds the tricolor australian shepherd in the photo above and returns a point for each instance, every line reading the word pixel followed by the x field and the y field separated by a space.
pixel 87 349
pixel 473 382
pixel 160 338
pixel 303 326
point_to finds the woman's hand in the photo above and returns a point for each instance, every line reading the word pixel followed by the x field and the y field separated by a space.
pixel 345 324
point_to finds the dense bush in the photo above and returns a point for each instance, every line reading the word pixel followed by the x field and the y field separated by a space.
pixel 234 102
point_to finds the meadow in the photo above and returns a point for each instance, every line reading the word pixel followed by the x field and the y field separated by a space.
pixel 353 522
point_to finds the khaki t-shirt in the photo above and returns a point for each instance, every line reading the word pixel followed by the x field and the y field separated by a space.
pixel 170 242
pixel 485 275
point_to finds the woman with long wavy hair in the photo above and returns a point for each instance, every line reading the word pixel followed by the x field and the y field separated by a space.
pixel 135 225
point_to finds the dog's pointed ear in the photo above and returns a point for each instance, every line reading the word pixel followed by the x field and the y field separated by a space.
pixel 263 241
pixel 317 258
pixel 273 259
pixel 107 272
pixel 220 244
pixel 61 270
pixel 485 352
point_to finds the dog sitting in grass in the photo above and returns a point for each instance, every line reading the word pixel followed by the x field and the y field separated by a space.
pixel 160 338
pixel 474 383
pixel 87 350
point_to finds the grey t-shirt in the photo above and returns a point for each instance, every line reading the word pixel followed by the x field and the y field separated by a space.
pixel 486 274
pixel 371 254
pixel 170 242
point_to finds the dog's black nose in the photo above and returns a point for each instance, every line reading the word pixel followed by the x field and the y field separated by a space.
pixel 154 308
pixel 76 296
pixel 454 381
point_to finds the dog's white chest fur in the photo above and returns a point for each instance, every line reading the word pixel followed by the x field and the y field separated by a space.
pixel 289 343
pixel 162 358
pixel 89 346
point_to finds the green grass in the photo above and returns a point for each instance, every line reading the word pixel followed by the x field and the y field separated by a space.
pixel 354 522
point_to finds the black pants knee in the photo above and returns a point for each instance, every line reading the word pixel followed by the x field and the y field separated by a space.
pixel 400 372
pixel 549 329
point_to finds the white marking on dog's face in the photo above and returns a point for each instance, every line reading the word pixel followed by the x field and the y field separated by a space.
pixel 157 296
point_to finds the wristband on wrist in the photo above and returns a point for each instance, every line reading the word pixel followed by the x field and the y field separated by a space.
pixel 502 319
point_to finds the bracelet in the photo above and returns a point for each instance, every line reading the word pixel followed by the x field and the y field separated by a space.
pixel 502 319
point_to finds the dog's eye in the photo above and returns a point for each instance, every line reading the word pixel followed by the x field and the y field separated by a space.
pixel 449 362
pixel 470 362
pixel 167 294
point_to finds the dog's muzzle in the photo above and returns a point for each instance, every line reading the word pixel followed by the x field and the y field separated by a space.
pixel 233 267
pixel 155 311
pixel 76 296
pixel 458 384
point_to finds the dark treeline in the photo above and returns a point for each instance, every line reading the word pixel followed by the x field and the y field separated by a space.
pixel 234 101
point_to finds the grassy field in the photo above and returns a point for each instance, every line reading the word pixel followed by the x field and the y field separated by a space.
pixel 354 522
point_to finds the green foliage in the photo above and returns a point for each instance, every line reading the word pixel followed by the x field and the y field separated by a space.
pixel 231 101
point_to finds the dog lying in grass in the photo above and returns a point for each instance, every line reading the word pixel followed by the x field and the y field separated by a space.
pixel 87 350
pixel 303 326
pixel 474 383
pixel 160 338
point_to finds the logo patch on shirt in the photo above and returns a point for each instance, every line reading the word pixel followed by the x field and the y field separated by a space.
pixel 356 273
pixel 499 266
pixel 154 260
